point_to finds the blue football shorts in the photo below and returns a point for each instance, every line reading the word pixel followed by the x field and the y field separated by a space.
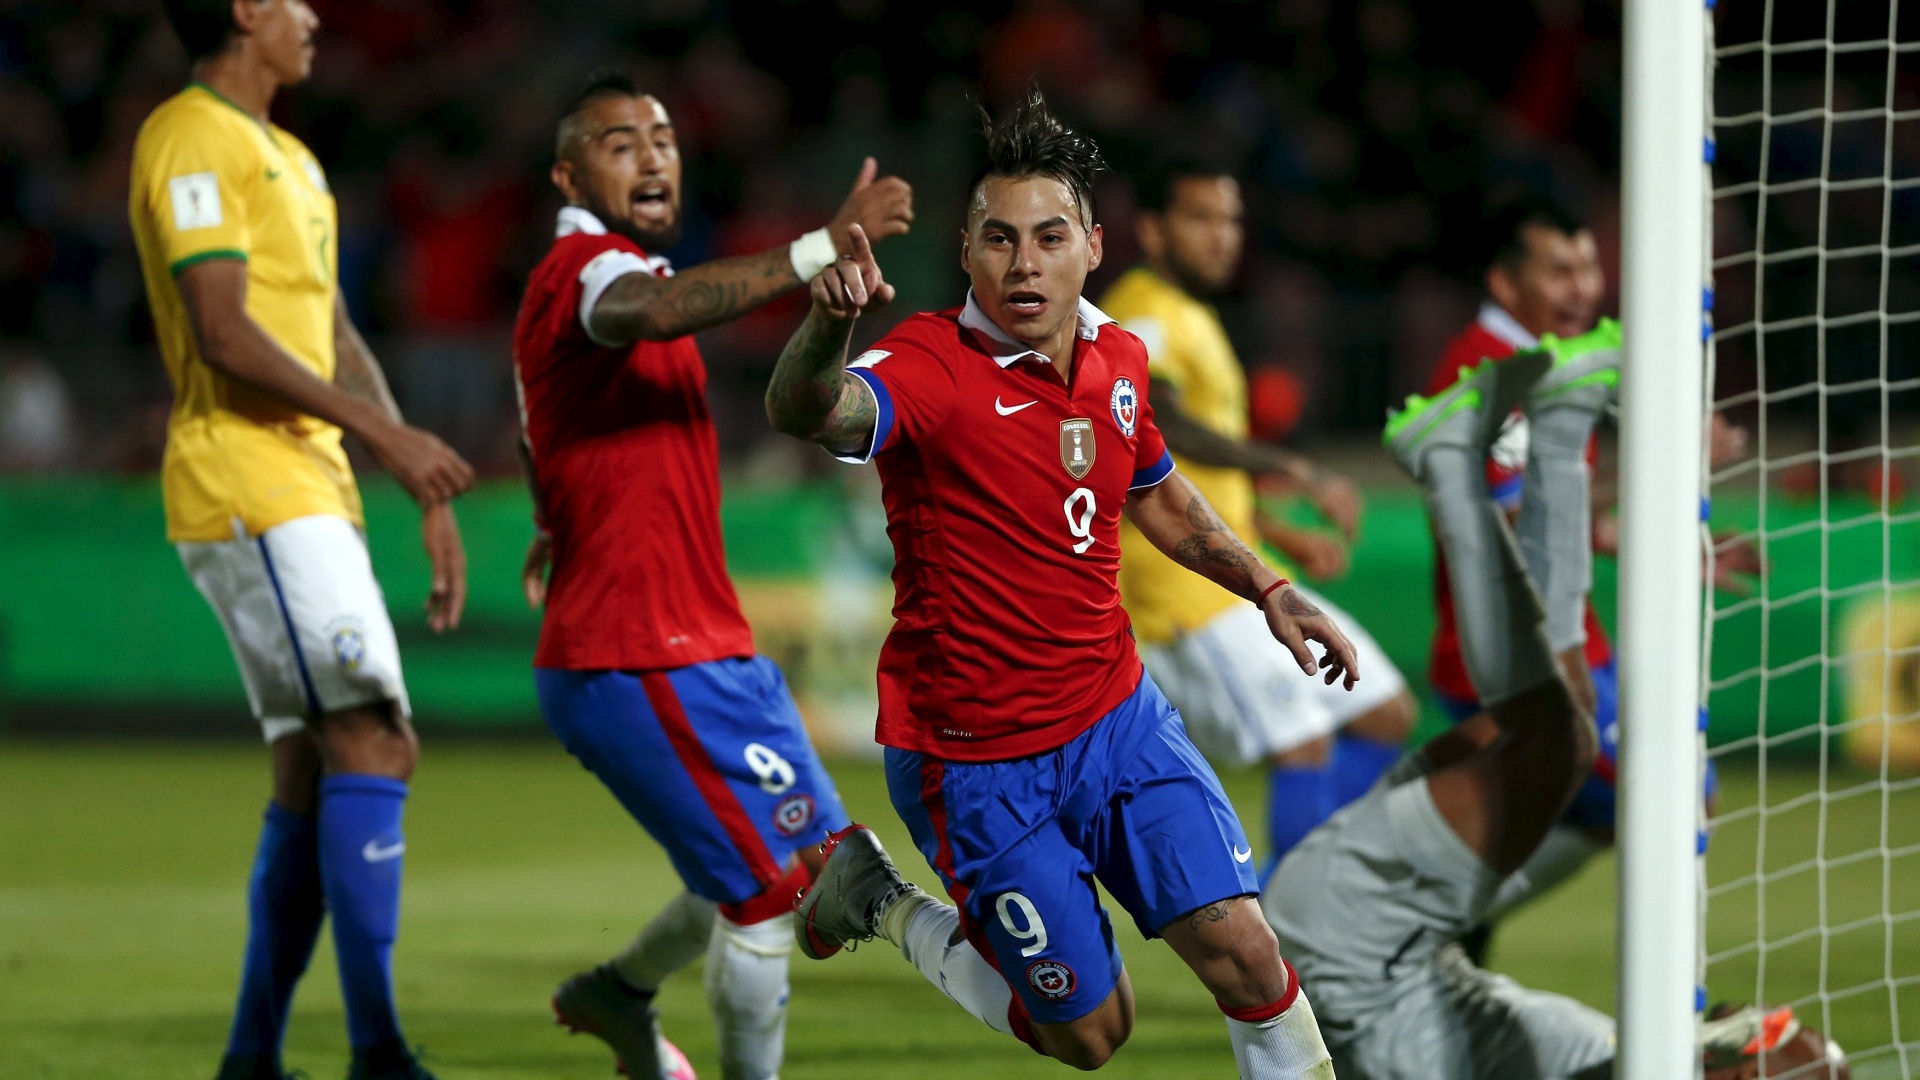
pixel 711 759
pixel 1019 845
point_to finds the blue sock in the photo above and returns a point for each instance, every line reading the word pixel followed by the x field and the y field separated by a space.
pixel 360 849
pixel 1297 800
pixel 1357 765
pixel 284 911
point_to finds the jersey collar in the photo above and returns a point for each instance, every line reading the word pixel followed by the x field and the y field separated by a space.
pixel 573 219
pixel 1006 351
pixel 1495 320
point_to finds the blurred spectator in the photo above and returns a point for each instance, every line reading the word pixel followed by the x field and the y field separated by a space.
pixel 1371 135
pixel 36 416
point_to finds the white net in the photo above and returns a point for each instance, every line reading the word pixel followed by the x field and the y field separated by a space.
pixel 1812 873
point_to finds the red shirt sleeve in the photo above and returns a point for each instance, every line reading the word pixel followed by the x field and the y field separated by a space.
pixel 912 384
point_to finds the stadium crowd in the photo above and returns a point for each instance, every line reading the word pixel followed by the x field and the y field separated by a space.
pixel 1371 135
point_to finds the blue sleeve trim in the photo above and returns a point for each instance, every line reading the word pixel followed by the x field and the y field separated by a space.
pixel 883 422
pixel 1153 474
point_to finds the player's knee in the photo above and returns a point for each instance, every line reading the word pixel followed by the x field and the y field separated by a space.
pixel 1391 724
pixel 1089 1042
pixel 1249 975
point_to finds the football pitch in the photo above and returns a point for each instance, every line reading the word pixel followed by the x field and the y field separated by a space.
pixel 123 868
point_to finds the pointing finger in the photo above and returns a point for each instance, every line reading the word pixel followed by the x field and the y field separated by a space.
pixel 861 250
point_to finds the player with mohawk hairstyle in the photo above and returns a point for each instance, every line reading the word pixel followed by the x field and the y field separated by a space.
pixel 1027 750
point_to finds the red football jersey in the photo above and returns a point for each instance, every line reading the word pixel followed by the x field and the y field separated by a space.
pixel 628 473
pixel 1494 335
pixel 1003 488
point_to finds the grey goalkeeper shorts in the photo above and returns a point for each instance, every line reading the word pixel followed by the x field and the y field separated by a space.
pixel 1368 908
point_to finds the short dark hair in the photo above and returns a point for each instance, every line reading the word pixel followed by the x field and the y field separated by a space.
pixel 1504 231
pixel 1031 141
pixel 1153 185
pixel 203 26
pixel 602 83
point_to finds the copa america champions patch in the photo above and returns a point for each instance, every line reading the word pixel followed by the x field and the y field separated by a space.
pixel 793 814
pixel 1050 979
pixel 1126 405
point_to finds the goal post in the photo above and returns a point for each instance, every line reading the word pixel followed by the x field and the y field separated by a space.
pixel 1665 193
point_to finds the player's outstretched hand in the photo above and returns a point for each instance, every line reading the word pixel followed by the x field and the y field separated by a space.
pixel 853 284
pixel 448 598
pixel 1296 620
pixel 881 208
pixel 533 572
pixel 429 469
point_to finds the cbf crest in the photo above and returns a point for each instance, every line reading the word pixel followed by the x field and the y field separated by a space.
pixel 1076 446
pixel 1126 405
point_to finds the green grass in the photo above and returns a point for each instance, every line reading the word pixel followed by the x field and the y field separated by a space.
pixel 122 870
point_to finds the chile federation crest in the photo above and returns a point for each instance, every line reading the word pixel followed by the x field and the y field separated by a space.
pixel 1126 405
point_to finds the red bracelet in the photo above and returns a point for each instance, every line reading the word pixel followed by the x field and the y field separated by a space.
pixel 1261 600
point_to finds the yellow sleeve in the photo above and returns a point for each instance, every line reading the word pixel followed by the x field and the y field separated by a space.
pixel 1163 361
pixel 194 188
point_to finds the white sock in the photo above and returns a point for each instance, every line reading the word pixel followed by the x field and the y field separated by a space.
pixel 670 942
pixel 1284 1047
pixel 747 991
pixel 928 933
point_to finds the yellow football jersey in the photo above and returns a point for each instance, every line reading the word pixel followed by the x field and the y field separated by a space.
pixel 212 182
pixel 1188 348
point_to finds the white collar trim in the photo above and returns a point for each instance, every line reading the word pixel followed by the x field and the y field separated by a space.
pixel 1495 320
pixel 1006 351
pixel 574 219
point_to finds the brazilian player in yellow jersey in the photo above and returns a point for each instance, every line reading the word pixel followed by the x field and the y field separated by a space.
pixel 235 228
pixel 1243 698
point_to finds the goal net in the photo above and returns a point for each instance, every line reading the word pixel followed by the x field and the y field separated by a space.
pixel 1811 874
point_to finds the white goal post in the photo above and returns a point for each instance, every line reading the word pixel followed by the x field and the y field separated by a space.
pixel 1791 129
pixel 1665 192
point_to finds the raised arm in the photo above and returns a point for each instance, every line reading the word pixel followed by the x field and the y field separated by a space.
pixel 1178 520
pixel 641 307
pixel 1334 495
pixel 811 395
pixel 215 294
pixel 357 372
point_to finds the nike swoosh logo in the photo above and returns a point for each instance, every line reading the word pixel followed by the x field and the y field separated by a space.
pixel 1006 411
pixel 273 174
pixel 373 852
pixel 1242 856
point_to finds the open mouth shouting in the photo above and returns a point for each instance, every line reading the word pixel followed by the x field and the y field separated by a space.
pixel 1026 304
pixel 652 202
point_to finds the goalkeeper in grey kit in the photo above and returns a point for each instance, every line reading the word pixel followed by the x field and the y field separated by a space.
pixel 1371 906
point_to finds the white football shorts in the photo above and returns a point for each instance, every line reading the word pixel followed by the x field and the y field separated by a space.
pixel 305 617
pixel 1244 697
pixel 1368 909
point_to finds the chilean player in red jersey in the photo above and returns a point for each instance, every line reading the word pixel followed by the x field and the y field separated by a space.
pixel 645 668
pixel 1027 751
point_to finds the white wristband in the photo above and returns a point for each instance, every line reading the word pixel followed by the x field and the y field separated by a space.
pixel 811 254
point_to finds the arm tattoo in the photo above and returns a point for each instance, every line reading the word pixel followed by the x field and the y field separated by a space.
pixel 641 307
pixel 812 396
pixel 1213 545
pixel 1212 913
pixel 1297 605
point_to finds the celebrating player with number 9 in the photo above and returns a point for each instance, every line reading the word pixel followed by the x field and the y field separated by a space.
pixel 1027 751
